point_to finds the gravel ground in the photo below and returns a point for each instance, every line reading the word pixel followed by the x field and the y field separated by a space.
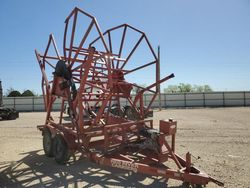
pixel 218 139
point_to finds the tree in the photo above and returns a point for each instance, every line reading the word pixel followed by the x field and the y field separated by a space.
pixel 198 88
pixel 8 91
pixel 207 88
pixel 185 88
pixel 14 93
pixel 171 89
pixel 27 93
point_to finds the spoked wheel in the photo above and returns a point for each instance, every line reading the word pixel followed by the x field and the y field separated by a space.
pixel 61 150
pixel 47 143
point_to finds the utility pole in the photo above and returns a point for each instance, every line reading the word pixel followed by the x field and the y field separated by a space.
pixel 158 72
pixel 1 94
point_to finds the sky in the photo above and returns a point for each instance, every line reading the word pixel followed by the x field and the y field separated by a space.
pixel 202 42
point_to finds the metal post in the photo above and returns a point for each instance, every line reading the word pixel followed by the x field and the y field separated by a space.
pixel 223 95
pixel 204 100
pixel 14 102
pixel 185 100
pixel 158 71
pixel 244 98
pixel 1 94
pixel 165 100
pixel 33 104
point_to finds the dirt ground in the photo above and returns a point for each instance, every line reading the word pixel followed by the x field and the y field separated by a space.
pixel 218 139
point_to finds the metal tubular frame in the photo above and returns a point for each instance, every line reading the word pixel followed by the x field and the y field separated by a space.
pixel 99 76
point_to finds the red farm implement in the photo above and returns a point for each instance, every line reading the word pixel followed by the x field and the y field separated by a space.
pixel 90 78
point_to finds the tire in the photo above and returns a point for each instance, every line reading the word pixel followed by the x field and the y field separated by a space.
pixel 12 116
pixel 68 111
pixel 189 185
pixel 115 110
pixel 198 186
pixel 130 113
pixel 47 143
pixel 61 150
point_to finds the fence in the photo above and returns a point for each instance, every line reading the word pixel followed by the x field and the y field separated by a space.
pixel 175 100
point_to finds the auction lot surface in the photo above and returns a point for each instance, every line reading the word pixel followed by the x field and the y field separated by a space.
pixel 218 139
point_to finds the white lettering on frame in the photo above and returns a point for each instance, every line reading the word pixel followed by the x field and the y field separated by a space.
pixel 124 165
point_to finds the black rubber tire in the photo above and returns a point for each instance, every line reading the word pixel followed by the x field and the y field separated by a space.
pixel 117 111
pixel 189 185
pixel 12 116
pixel 61 150
pixel 198 186
pixel 47 143
pixel 185 185
pixel 130 113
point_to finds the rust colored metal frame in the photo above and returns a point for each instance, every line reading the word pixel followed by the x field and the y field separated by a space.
pixel 99 75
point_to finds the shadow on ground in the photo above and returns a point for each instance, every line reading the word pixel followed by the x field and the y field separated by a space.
pixel 36 170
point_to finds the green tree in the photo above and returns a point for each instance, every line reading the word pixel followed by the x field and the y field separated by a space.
pixel 182 88
pixel 198 88
pixel 171 89
pixel 8 91
pixel 27 93
pixel 207 88
pixel 14 93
